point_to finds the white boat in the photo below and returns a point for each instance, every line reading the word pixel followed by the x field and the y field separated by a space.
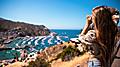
pixel 29 43
pixel 23 42
pixel 36 41
pixel 74 40
pixel 50 40
pixel 17 44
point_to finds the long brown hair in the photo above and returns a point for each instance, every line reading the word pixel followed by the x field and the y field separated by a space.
pixel 105 29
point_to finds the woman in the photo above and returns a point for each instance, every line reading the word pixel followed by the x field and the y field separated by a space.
pixel 105 31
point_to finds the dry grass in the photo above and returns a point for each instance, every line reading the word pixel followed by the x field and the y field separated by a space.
pixel 82 61
pixel 17 64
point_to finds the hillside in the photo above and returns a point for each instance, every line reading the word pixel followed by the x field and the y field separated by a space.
pixel 8 27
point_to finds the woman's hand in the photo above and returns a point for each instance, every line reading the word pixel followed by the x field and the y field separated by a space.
pixel 88 19
pixel 86 27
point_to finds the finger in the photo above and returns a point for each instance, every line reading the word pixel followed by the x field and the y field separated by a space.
pixel 115 16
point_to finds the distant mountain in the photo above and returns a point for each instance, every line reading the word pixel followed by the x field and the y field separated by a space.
pixel 8 27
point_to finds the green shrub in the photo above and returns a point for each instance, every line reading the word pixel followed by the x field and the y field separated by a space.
pixel 2 28
pixel 68 53
pixel 39 63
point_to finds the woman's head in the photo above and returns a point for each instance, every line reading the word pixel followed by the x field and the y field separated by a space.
pixel 104 26
pixel 115 13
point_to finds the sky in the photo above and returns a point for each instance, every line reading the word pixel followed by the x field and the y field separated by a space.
pixel 54 14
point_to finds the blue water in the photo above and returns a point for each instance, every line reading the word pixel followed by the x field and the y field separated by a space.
pixel 37 43
pixel 69 33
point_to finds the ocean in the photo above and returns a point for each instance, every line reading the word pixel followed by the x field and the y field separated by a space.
pixel 37 43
